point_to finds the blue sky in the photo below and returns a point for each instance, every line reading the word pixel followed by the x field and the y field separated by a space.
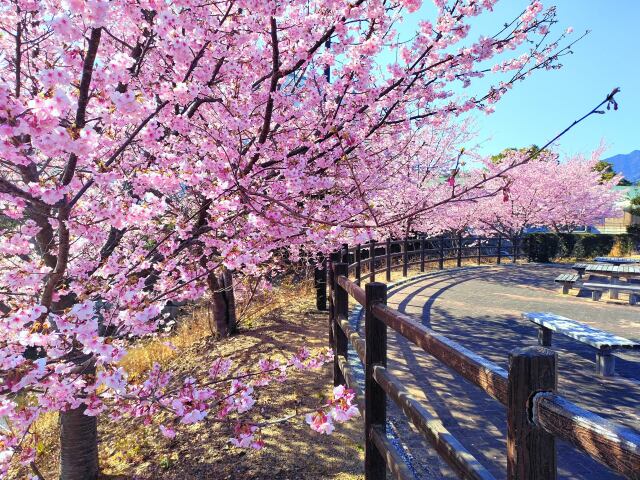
pixel 535 110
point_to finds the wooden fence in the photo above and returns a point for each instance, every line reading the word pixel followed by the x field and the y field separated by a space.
pixel 536 414
pixel 417 252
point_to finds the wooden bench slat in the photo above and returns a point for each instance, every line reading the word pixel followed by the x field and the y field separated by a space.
pixel 567 277
pixel 580 331
pixel 613 286
pixel 617 260
pixel 621 269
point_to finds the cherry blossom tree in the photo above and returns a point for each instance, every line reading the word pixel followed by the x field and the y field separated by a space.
pixel 550 193
pixel 147 146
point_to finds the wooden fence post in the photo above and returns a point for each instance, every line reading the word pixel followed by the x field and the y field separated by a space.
pixel 388 253
pixel 441 259
pixel 372 260
pixel 531 452
pixel 405 257
pixel 344 254
pixel 374 396
pixel 333 259
pixel 459 263
pixel 320 281
pixel 499 249
pixel 358 260
pixel 423 244
pixel 341 312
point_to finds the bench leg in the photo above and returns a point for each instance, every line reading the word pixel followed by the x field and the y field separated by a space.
pixel 595 295
pixel 566 286
pixel 613 294
pixel 605 363
pixel 544 337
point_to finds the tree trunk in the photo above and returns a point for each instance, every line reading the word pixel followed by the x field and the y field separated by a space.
pixel 78 445
pixel 230 298
pixel 223 303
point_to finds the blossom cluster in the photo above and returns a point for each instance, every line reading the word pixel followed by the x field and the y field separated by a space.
pixel 145 146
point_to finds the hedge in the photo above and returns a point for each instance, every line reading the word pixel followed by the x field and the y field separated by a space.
pixel 544 247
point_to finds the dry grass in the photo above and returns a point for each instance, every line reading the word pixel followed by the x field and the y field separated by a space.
pixel 279 322
pixel 619 250
pixel 193 327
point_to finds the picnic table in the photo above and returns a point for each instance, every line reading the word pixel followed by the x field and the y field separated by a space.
pixel 617 260
pixel 605 343
pixel 614 272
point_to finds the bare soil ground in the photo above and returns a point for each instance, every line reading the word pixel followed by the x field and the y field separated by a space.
pixel 283 320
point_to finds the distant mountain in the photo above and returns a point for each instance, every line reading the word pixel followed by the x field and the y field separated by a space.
pixel 628 165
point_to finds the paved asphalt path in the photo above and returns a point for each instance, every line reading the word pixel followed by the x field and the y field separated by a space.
pixel 480 308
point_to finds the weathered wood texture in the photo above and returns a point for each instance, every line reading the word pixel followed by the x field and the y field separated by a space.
pixel 432 429
pixel 351 381
pixel 356 340
pixel 372 260
pixel 333 259
pixel 531 451
pixel 320 283
pixel 486 375
pixel 388 260
pixel 536 415
pixel 344 253
pixel 341 305
pixel 352 289
pixel 581 331
pixel 395 463
pixel 375 399
pixel 614 446
pixel 358 260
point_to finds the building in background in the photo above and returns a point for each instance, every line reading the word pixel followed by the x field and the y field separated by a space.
pixel 619 224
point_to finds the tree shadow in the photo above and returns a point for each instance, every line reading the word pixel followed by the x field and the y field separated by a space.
pixel 458 304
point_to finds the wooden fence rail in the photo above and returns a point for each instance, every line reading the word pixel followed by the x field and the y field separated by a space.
pixel 536 414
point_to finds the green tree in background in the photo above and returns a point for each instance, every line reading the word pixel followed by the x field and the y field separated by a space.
pixel 634 207
pixel 533 149
pixel 606 169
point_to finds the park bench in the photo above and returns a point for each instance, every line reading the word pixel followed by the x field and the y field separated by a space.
pixel 567 280
pixel 580 268
pixel 598 288
pixel 604 342
pixel 617 260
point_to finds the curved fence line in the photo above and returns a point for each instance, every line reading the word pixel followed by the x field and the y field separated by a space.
pixel 536 415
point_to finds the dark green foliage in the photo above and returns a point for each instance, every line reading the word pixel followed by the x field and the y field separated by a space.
pixel 590 246
pixel 634 231
pixel 627 244
pixel 544 247
pixel 533 150
pixel 567 245
pixel 634 206
pixel 605 169
pixel 607 173
pixel 541 247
